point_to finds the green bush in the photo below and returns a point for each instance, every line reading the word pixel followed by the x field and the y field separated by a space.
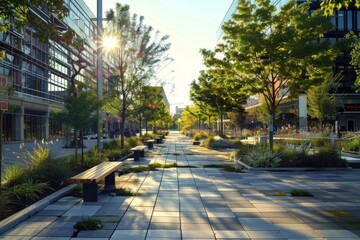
pixel 12 175
pixel 325 157
pixel 29 191
pixel 113 144
pixel 262 158
pixel 351 145
pixel 220 143
pixel 92 158
pixel 124 192
pixel 132 142
pixel 320 142
pixel 199 136
pixel 4 202
pixel 40 159
pixel 88 224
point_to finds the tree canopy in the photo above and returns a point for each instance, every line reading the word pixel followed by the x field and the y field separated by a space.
pixel 273 52
pixel 330 5
pixel 139 50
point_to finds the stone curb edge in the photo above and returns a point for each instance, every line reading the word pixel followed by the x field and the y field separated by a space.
pixel 31 210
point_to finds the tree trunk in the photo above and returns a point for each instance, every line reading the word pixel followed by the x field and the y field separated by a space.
pixel 76 145
pixel 82 147
pixel 146 126
pixel 221 124
pixel 122 132
pixel 209 127
pixel 140 126
pixel 271 127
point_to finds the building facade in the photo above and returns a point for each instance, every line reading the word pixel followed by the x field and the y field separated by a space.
pixel 40 73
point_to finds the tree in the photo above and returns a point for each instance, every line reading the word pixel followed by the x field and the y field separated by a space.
pixel 322 105
pixel 207 111
pixel 79 112
pixel 262 112
pixel 142 109
pixel 139 51
pixel 330 5
pixel 273 53
pixel 188 120
pixel 221 93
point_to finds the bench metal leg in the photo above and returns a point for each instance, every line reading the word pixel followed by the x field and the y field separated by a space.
pixel 142 153
pixel 110 182
pixel 136 155
pixel 90 192
pixel 150 145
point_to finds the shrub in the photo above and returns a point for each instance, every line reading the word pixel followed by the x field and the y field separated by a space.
pixel 29 191
pixel 88 224
pixel 220 143
pixel 92 158
pixel 4 202
pixel 320 142
pixel 113 144
pixel 351 145
pixel 262 158
pixel 132 142
pixel 199 136
pixel 40 158
pixel 13 174
pixel 124 192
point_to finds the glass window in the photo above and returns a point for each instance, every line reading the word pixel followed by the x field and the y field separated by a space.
pixel 349 20
pixel 333 20
pixel 357 20
pixel 341 21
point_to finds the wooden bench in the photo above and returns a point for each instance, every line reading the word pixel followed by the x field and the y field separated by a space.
pixel 138 152
pixel 92 176
pixel 150 143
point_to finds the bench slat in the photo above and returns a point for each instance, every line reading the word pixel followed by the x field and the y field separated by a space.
pixel 138 148
pixel 96 173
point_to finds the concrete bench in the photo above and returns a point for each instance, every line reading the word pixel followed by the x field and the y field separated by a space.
pixel 138 152
pixel 92 176
pixel 150 143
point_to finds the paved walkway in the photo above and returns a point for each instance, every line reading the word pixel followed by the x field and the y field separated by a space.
pixel 209 203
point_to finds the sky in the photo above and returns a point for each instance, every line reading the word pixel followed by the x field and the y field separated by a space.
pixel 191 25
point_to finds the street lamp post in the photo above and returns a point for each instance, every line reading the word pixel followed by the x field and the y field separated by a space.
pixel 99 72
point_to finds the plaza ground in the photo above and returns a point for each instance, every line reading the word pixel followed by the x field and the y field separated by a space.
pixel 208 203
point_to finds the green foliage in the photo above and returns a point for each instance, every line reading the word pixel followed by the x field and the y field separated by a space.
pixel 4 202
pixel 300 193
pixel 322 105
pixel 29 191
pixel 12 175
pixel 351 144
pixel 270 51
pixel 132 142
pixel 111 145
pixel 325 157
pixel 92 158
pixel 262 158
pixel 200 135
pixel 142 52
pixel 328 6
pixel 88 224
pixel 220 143
pixel 124 192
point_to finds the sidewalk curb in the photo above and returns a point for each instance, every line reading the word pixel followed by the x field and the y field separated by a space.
pixel 31 210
